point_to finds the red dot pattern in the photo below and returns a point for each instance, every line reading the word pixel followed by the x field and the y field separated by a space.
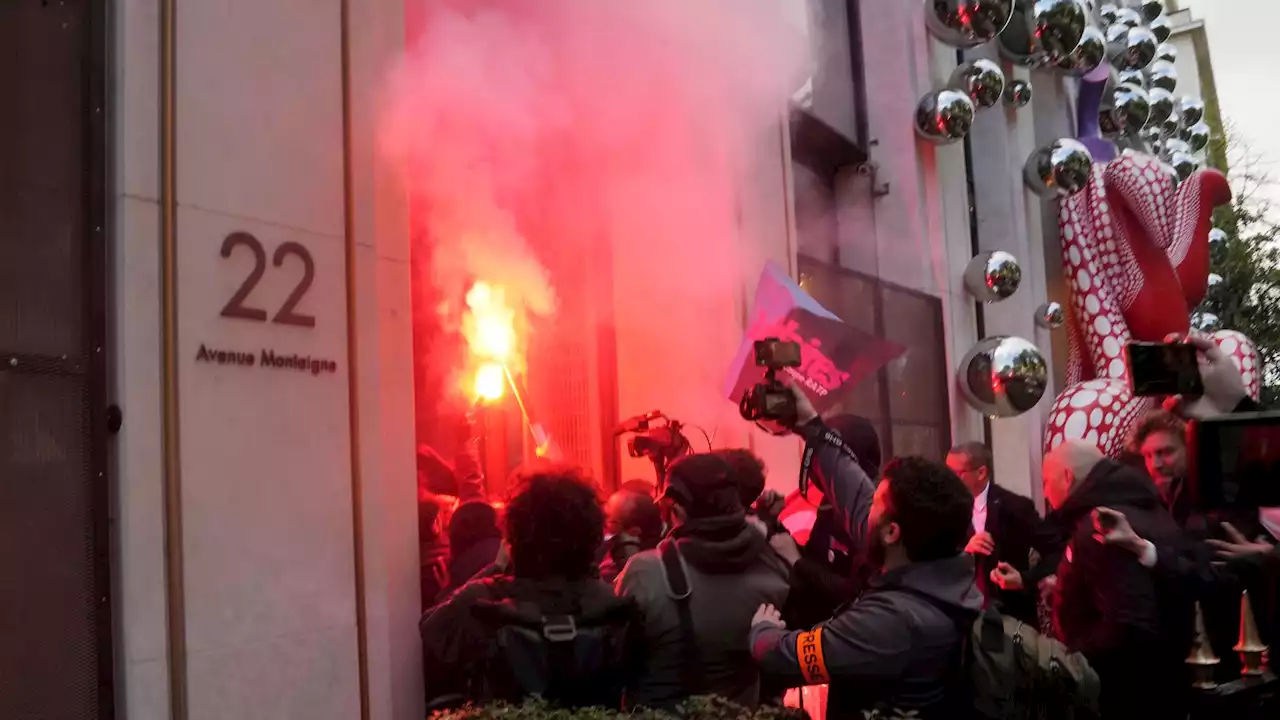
pixel 1111 291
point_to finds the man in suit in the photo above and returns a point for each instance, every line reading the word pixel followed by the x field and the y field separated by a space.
pixel 1006 528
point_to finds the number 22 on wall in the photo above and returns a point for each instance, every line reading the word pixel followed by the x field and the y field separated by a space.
pixel 236 307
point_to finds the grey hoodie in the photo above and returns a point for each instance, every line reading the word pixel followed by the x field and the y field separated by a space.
pixel 896 647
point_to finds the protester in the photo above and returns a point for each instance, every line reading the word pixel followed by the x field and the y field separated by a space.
pixel 1006 529
pixel 474 540
pixel 697 592
pixel 633 523
pixel 1134 630
pixel 433 546
pixel 546 626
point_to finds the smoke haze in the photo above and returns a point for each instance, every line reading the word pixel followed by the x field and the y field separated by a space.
pixel 530 131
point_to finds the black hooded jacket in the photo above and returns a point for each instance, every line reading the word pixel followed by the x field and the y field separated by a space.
pixel 1133 626
pixel 731 571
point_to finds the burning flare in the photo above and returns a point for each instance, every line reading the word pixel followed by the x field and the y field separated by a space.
pixel 490 328
pixel 491 382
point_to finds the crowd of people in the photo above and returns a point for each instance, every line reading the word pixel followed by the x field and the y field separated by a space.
pixel 658 593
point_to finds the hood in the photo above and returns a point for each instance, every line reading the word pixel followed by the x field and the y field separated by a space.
pixel 861 437
pixel 473 522
pixel 720 546
pixel 467 563
pixel 948 581
pixel 1110 484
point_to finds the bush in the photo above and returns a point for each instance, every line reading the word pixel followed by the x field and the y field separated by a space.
pixel 700 708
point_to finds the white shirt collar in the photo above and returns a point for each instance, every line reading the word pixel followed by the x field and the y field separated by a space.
pixel 980 502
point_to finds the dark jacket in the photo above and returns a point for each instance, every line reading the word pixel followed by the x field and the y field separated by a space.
pixel 1017 529
pixel 461 649
pixel 845 486
pixel 830 571
pixel 1134 628
pixel 898 646
pixel 731 571
pixel 474 541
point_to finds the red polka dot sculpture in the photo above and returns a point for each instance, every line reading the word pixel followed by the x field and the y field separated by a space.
pixel 1135 251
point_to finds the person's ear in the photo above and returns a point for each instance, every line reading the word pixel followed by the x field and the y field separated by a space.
pixel 892 534
pixel 982 473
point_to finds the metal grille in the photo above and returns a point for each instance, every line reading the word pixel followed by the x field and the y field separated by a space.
pixel 55 621
pixel 907 401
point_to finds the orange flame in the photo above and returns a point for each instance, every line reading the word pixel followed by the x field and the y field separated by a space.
pixel 490 329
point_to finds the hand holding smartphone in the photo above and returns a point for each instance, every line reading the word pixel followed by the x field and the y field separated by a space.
pixel 1164 369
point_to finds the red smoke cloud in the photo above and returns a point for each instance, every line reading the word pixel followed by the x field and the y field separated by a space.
pixel 531 131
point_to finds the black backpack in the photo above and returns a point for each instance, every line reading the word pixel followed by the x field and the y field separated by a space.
pixel 548 643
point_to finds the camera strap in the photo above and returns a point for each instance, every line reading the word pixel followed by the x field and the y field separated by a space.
pixel 828 437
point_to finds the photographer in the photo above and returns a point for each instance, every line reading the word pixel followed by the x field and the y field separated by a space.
pixel 825 572
pixel 836 469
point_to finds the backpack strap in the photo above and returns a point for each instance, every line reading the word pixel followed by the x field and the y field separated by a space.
pixel 691 676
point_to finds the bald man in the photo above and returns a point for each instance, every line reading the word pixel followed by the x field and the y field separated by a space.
pixel 1134 627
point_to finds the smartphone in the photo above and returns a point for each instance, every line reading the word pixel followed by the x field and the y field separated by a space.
pixel 1163 369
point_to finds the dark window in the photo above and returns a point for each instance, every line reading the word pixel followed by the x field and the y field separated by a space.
pixel 907 400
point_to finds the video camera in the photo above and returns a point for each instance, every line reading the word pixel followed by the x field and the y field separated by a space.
pixel 662 443
pixel 771 399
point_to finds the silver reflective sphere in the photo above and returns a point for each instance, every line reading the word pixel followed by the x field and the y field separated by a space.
pixel 1190 110
pixel 1162 74
pixel 1217 235
pixel 1151 133
pixel 944 116
pixel 1184 164
pixel 1161 28
pixel 1003 376
pixel 1128 17
pixel 1043 31
pixel 992 276
pixel 1131 48
pixel 1051 316
pixel 1197 136
pixel 967 23
pixel 1161 102
pixel 1214 279
pixel 1017 93
pixel 1059 25
pixel 1108 13
pixel 1132 77
pixel 1170 126
pixel 1171 172
pixel 1131 107
pixel 1151 9
pixel 1167 52
pixel 981 80
pixel 1205 321
pixel 1088 55
pixel 1061 168
pixel 1175 145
